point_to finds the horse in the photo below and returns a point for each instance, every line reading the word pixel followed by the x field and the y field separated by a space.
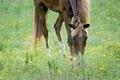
pixel 77 35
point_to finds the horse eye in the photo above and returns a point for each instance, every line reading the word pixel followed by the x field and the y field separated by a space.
pixel 86 37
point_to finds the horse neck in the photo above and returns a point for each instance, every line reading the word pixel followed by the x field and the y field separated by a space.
pixel 80 10
pixel 74 7
pixel 83 8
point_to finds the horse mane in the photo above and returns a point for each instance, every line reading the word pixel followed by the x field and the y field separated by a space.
pixel 83 10
pixel 81 15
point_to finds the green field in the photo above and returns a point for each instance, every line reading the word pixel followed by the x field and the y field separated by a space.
pixel 19 61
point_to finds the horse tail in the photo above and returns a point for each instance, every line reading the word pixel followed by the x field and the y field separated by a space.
pixel 37 32
pixel 83 7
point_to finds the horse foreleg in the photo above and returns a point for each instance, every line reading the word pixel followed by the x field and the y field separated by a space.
pixel 67 19
pixel 57 27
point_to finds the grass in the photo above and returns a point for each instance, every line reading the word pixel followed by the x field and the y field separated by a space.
pixel 18 60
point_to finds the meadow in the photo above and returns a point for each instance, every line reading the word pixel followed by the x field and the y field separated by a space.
pixel 19 60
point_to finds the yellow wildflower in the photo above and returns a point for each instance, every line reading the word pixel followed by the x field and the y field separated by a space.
pixel 104 55
pixel 59 72
pixel 102 68
pixel 73 58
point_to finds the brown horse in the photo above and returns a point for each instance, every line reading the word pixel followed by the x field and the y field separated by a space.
pixel 79 9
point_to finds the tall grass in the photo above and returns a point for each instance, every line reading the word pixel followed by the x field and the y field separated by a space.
pixel 19 61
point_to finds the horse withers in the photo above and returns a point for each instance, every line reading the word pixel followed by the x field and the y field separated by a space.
pixel 77 36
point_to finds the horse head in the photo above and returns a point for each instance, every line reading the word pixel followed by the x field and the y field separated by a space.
pixel 78 38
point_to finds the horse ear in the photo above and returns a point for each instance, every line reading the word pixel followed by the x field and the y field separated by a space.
pixel 86 26
pixel 72 26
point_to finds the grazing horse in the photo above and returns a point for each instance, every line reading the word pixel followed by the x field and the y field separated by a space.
pixel 77 35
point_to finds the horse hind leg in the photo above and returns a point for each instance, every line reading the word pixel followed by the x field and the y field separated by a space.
pixel 42 16
pixel 57 27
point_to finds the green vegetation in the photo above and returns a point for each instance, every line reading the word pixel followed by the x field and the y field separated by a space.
pixel 19 61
